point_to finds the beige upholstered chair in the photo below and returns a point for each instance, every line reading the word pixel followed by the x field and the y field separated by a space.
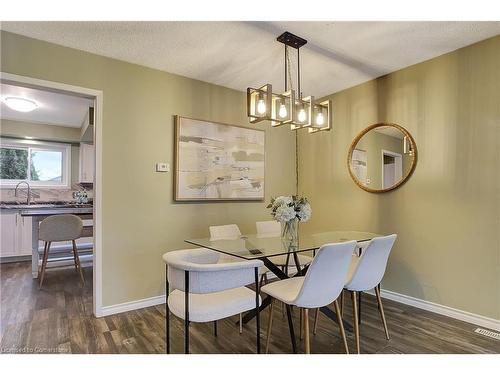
pixel 200 289
pixel 58 228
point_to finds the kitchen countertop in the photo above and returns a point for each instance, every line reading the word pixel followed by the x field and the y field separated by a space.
pixel 56 211
pixel 47 208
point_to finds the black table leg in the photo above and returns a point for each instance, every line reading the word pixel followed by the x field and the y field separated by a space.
pixel 297 263
pixel 252 313
pixel 333 316
pixel 359 307
pixel 290 326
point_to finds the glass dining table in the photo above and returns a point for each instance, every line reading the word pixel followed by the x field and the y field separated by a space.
pixel 265 248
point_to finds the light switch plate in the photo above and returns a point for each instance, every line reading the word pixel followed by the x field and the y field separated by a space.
pixel 162 167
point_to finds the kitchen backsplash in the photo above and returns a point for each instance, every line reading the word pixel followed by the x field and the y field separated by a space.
pixel 66 195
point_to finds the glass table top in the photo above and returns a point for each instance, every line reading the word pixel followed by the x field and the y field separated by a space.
pixel 253 246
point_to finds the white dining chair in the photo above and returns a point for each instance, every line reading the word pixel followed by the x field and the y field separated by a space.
pixel 224 232
pixel 365 273
pixel 199 289
pixel 322 285
pixel 272 228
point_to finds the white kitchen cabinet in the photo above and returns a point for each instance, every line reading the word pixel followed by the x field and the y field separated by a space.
pixel 87 164
pixel 16 234
pixel 25 230
pixel 9 232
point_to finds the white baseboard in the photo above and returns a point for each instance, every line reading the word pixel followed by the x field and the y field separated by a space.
pixel 132 305
pixel 451 312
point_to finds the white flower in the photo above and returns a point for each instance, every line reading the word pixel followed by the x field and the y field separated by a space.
pixel 305 212
pixel 284 213
pixel 281 201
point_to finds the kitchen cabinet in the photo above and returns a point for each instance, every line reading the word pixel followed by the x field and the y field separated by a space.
pixel 15 234
pixel 9 238
pixel 87 163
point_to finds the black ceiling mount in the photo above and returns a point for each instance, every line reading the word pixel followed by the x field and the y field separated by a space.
pixel 291 40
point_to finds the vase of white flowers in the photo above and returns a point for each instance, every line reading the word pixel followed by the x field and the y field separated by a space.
pixel 289 211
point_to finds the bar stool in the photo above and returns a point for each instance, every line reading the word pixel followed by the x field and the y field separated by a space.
pixel 59 228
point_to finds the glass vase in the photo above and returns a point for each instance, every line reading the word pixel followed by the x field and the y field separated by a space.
pixel 290 231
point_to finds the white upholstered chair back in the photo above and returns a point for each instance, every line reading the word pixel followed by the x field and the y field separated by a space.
pixel 60 228
pixel 205 274
pixel 224 232
pixel 372 263
pixel 326 275
pixel 270 228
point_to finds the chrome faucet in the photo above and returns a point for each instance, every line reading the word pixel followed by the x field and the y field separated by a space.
pixel 28 195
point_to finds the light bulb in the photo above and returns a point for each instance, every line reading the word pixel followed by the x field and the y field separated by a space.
pixel 20 104
pixel 320 119
pixel 283 112
pixel 302 115
pixel 261 107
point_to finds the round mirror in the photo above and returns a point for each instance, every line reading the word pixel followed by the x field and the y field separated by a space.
pixel 382 157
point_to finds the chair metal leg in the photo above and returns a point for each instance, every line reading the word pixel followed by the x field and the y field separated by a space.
pixel 356 321
pixel 269 325
pixel 44 263
pixel 306 330
pixel 167 312
pixel 241 323
pixel 316 316
pixel 341 325
pixel 257 309
pixel 215 328
pixel 186 312
pixel 381 311
pixel 78 266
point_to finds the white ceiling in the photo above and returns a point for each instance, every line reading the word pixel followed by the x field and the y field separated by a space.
pixel 53 108
pixel 390 131
pixel 242 54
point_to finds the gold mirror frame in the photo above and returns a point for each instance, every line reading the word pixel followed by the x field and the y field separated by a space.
pixel 355 142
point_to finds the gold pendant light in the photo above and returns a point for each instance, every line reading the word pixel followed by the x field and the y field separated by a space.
pixel 289 108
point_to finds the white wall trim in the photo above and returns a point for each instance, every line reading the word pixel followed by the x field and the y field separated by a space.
pixel 97 96
pixel 132 305
pixel 451 312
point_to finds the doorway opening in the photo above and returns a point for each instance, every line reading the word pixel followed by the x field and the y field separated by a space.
pixel 52 154
pixel 392 168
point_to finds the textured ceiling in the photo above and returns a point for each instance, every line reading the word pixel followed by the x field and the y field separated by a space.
pixel 53 108
pixel 242 54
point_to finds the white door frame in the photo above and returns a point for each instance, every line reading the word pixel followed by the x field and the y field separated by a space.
pixel 97 95
pixel 398 158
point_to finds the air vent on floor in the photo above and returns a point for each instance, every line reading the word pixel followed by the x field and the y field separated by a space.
pixel 485 332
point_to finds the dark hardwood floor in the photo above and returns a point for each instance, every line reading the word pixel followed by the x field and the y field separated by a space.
pixel 58 319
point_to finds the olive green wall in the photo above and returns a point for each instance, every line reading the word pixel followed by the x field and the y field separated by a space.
pixel 47 133
pixel 140 220
pixel 447 215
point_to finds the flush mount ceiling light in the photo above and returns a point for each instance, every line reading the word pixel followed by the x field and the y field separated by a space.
pixel 289 108
pixel 20 104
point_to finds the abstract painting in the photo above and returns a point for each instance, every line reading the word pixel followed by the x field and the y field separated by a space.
pixel 218 162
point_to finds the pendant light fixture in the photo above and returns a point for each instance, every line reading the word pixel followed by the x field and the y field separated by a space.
pixel 290 107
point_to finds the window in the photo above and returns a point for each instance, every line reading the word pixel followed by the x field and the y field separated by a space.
pixel 42 164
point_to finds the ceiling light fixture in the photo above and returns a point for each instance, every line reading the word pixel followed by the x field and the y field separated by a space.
pixel 20 104
pixel 289 108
